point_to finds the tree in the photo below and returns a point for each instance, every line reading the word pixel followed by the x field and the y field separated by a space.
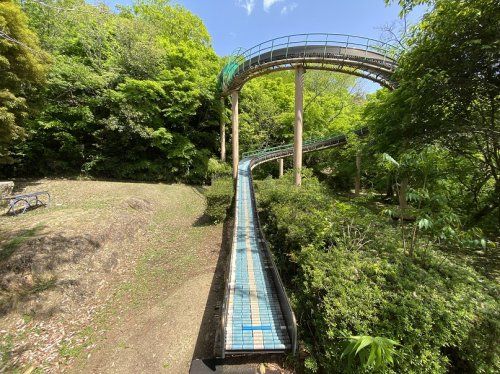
pixel 448 91
pixel 331 106
pixel 142 78
pixel 408 5
pixel 267 111
pixel 22 64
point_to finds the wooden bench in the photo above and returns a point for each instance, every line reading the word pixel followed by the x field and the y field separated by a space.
pixel 26 201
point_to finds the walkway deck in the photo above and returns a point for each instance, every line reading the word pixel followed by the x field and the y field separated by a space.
pixel 254 320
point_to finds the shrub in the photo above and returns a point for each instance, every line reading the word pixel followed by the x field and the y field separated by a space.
pixel 219 197
pixel 218 169
pixel 348 276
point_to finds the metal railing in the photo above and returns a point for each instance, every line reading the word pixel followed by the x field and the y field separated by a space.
pixel 298 44
pixel 305 143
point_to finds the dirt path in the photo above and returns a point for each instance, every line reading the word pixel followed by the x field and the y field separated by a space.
pixel 112 278
pixel 159 339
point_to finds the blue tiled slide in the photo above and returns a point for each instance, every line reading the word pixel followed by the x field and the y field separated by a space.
pixel 254 320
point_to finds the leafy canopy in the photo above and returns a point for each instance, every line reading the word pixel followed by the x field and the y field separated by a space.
pixel 22 64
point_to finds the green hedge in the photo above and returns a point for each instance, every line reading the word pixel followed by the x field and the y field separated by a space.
pixel 347 275
pixel 219 197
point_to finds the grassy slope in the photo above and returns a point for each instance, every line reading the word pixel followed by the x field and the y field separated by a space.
pixel 100 271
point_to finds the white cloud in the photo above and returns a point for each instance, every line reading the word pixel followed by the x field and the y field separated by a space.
pixel 289 8
pixel 248 5
pixel 269 3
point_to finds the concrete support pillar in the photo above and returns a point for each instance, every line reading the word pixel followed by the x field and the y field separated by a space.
pixel 222 132
pixel 281 167
pixel 235 96
pixel 299 120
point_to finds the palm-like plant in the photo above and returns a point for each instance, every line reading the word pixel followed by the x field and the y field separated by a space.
pixel 374 353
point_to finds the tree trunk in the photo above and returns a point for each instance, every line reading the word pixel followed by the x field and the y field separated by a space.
pixel 281 167
pixel 357 178
pixel 222 133
pixel 389 192
pixel 492 204
pixel 403 187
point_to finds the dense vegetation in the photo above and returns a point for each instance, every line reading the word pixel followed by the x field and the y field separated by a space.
pixel 414 258
pixel 20 67
pixel 332 103
pixel 127 94
pixel 448 97
pixel 345 265
pixel 219 197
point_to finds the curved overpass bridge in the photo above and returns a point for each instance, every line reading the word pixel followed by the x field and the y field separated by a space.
pixel 355 55
pixel 257 316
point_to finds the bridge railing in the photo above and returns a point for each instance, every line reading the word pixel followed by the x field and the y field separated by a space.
pixel 305 143
pixel 242 61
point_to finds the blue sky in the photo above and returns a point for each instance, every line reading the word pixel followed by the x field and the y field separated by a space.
pixel 245 23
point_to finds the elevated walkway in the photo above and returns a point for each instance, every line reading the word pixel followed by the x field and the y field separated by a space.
pixel 351 54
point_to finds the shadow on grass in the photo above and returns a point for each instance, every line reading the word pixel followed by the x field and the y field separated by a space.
pixel 17 238
pixel 203 221
pixel 485 261
pixel 207 343
pixel 21 184
pixel 30 263
pixel 200 190
pixel 19 211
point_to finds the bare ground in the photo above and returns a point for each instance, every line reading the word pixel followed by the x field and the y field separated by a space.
pixel 112 277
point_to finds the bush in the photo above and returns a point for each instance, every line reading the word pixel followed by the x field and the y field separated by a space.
pixel 218 169
pixel 348 276
pixel 219 197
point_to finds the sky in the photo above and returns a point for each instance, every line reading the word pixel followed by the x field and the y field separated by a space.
pixel 237 24
pixel 245 23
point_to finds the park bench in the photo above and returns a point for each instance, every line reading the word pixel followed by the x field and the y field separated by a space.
pixel 26 201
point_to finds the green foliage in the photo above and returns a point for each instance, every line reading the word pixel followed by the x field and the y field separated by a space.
pixel 374 353
pixel 219 197
pixel 448 95
pixel 21 67
pixel 129 94
pixel 348 276
pixel 311 365
pixel 408 5
pixel 267 112
pixel 218 169
pixel 441 202
pixel 267 108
